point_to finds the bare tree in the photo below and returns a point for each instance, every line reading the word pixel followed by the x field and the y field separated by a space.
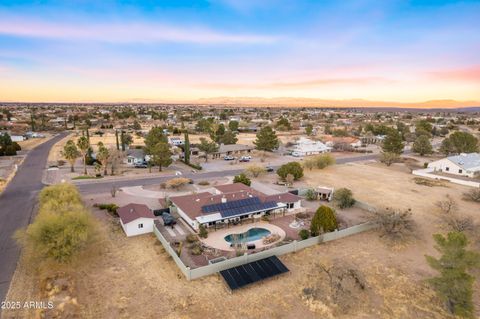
pixel 450 216
pixel 394 224
pixel 115 160
pixel 473 195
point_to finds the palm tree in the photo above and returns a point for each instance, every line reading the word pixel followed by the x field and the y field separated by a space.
pixel 84 145
pixel 103 156
pixel 71 153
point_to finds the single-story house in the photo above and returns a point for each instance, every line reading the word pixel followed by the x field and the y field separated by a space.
pixel 463 165
pixel 306 147
pixel 232 149
pixel 136 219
pixel 135 156
pixel 342 141
pixel 230 204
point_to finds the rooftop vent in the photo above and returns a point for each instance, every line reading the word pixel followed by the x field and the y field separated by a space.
pixel 224 199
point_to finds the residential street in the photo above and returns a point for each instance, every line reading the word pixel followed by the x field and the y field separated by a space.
pixel 92 187
pixel 17 206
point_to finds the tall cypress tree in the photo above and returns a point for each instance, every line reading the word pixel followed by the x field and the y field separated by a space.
pixel 187 149
pixel 116 139
pixel 122 140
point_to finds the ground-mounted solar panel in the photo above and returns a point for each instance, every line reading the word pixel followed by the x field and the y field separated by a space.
pixel 241 276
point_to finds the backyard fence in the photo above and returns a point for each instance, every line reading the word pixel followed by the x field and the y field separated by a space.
pixel 428 172
pixel 294 246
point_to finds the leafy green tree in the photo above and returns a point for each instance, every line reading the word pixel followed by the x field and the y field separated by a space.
pixel 229 137
pixel 233 126
pixel 137 126
pixel 323 221
pixel 309 129
pixel 126 140
pixel 283 124
pixel 266 139
pixel 422 145
pixel 454 285
pixel 459 142
pixel 217 131
pixel 424 126
pixel 204 125
pixel 344 198
pixel 207 147
pixel 154 136
pixel 393 142
pixel 389 158
pixel 293 168
pixel 84 146
pixel 242 178
pixel 202 231
pixel 161 155
pixel 71 153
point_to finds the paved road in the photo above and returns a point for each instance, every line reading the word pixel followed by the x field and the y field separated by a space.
pixel 17 205
pixel 92 187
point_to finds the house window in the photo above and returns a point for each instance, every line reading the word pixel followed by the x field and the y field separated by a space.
pixel 140 225
pixel 447 169
pixel 460 171
pixel 289 205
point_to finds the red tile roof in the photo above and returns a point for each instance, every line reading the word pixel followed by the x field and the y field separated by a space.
pixel 132 211
pixel 284 198
pixel 235 187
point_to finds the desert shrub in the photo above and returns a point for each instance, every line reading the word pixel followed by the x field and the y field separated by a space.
pixel 394 224
pixel 204 183
pixel 310 194
pixel 324 160
pixel 62 228
pixel 344 198
pixel 427 182
pixel 202 231
pixel 323 221
pixel 473 195
pixel 242 178
pixel 255 170
pixel 302 215
pixel 196 248
pixel 265 218
pixel 304 234
pixel 293 168
pixel 191 238
pixel 176 183
pixel 111 208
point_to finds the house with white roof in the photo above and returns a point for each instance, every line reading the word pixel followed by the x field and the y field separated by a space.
pixel 462 165
pixel 306 147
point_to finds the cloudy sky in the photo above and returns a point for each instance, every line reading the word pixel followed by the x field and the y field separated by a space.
pixel 83 50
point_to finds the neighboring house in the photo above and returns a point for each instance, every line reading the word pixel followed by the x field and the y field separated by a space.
pixel 136 219
pixel 230 204
pixel 369 138
pixel 342 141
pixel 135 156
pixel 462 165
pixel 232 149
pixel 306 147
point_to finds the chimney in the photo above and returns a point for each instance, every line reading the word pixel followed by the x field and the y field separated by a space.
pixel 224 199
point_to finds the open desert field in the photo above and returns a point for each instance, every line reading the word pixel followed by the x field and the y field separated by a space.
pixel 135 277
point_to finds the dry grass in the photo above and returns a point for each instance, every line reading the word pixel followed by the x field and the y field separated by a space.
pixel 135 277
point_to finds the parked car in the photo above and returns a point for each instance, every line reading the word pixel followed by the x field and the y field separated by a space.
pixel 269 169
pixel 228 158
pixel 245 159
pixel 168 219
pixel 140 165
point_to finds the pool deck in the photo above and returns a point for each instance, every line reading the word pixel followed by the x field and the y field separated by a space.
pixel 216 239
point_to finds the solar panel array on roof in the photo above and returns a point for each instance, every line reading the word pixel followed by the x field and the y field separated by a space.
pixel 230 205
pixel 240 276
pixel 248 209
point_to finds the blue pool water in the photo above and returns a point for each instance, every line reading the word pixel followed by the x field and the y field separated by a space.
pixel 250 235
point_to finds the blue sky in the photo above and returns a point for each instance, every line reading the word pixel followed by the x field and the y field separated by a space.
pixel 181 50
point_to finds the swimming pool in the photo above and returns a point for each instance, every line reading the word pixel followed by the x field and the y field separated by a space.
pixel 250 235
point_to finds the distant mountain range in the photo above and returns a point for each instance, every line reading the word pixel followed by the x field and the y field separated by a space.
pixel 352 103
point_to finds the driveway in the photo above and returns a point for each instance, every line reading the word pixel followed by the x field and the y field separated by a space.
pixel 17 204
